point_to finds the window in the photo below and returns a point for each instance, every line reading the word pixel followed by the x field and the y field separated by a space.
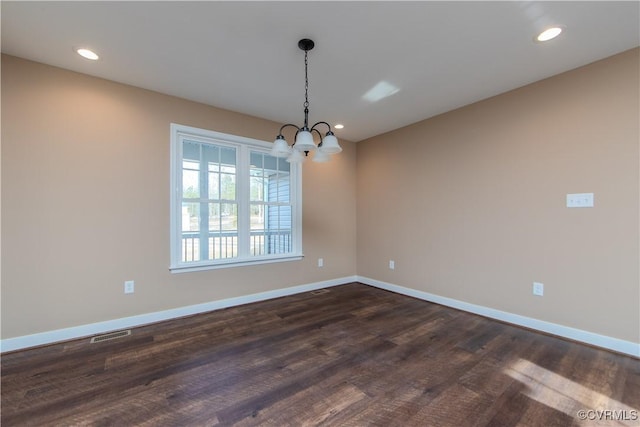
pixel 232 203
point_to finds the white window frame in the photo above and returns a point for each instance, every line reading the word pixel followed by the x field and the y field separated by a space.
pixel 243 146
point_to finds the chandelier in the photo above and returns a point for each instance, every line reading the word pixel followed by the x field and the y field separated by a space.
pixel 304 138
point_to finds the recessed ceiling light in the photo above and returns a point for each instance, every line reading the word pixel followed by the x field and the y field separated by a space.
pixel 548 34
pixel 87 53
pixel 339 126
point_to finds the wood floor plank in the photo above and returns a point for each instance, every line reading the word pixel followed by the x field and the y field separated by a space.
pixel 353 356
pixel 469 405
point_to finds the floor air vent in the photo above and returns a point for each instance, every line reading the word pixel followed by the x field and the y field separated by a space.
pixel 320 291
pixel 110 336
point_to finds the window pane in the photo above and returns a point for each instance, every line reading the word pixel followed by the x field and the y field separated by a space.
pixel 223 245
pixel 281 241
pixel 256 173
pixel 188 164
pixel 223 216
pixel 222 177
pixel 228 156
pixel 275 235
pixel 256 160
pixel 279 186
pixel 270 220
pixel 229 216
pixel 190 216
pixel 214 217
pixel 283 165
pixel 257 188
pixel 227 186
pixel 190 184
pixel 190 179
pixel 257 217
pixel 190 235
pixel 191 151
pixel 271 163
pixel 214 185
pixel 228 169
pixel 190 248
pixel 211 153
pixel 223 230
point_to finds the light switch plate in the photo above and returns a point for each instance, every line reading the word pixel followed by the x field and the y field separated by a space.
pixel 580 200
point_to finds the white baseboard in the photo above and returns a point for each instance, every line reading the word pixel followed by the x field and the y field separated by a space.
pixel 49 337
pixel 615 344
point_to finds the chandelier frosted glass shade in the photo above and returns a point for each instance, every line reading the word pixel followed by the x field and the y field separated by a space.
pixel 321 156
pixel 304 141
pixel 280 147
pixel 295 157
pixel 330 144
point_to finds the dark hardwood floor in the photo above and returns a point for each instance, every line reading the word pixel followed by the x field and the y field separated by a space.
pixel 354 356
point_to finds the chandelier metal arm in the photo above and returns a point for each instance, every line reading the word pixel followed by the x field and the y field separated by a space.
pixel 322 123
pixel 287 125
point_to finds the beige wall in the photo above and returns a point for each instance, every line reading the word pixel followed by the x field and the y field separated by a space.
pixel 85 203
pixel 471 204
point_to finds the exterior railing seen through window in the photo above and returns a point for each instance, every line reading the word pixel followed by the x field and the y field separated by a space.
pixel 223 245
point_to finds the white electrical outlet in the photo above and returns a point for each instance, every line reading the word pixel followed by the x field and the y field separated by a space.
pixel 392 265
pixel 320 262
pixel 129 287
pixel 538 289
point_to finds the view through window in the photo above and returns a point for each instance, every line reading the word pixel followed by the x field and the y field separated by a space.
pixel 237 203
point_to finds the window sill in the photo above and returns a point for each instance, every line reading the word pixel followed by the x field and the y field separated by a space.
pixel 233 263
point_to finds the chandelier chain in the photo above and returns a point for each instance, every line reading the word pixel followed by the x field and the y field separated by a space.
pixel 306 82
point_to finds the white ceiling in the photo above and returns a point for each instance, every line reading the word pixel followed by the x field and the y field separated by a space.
pixel 243 56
